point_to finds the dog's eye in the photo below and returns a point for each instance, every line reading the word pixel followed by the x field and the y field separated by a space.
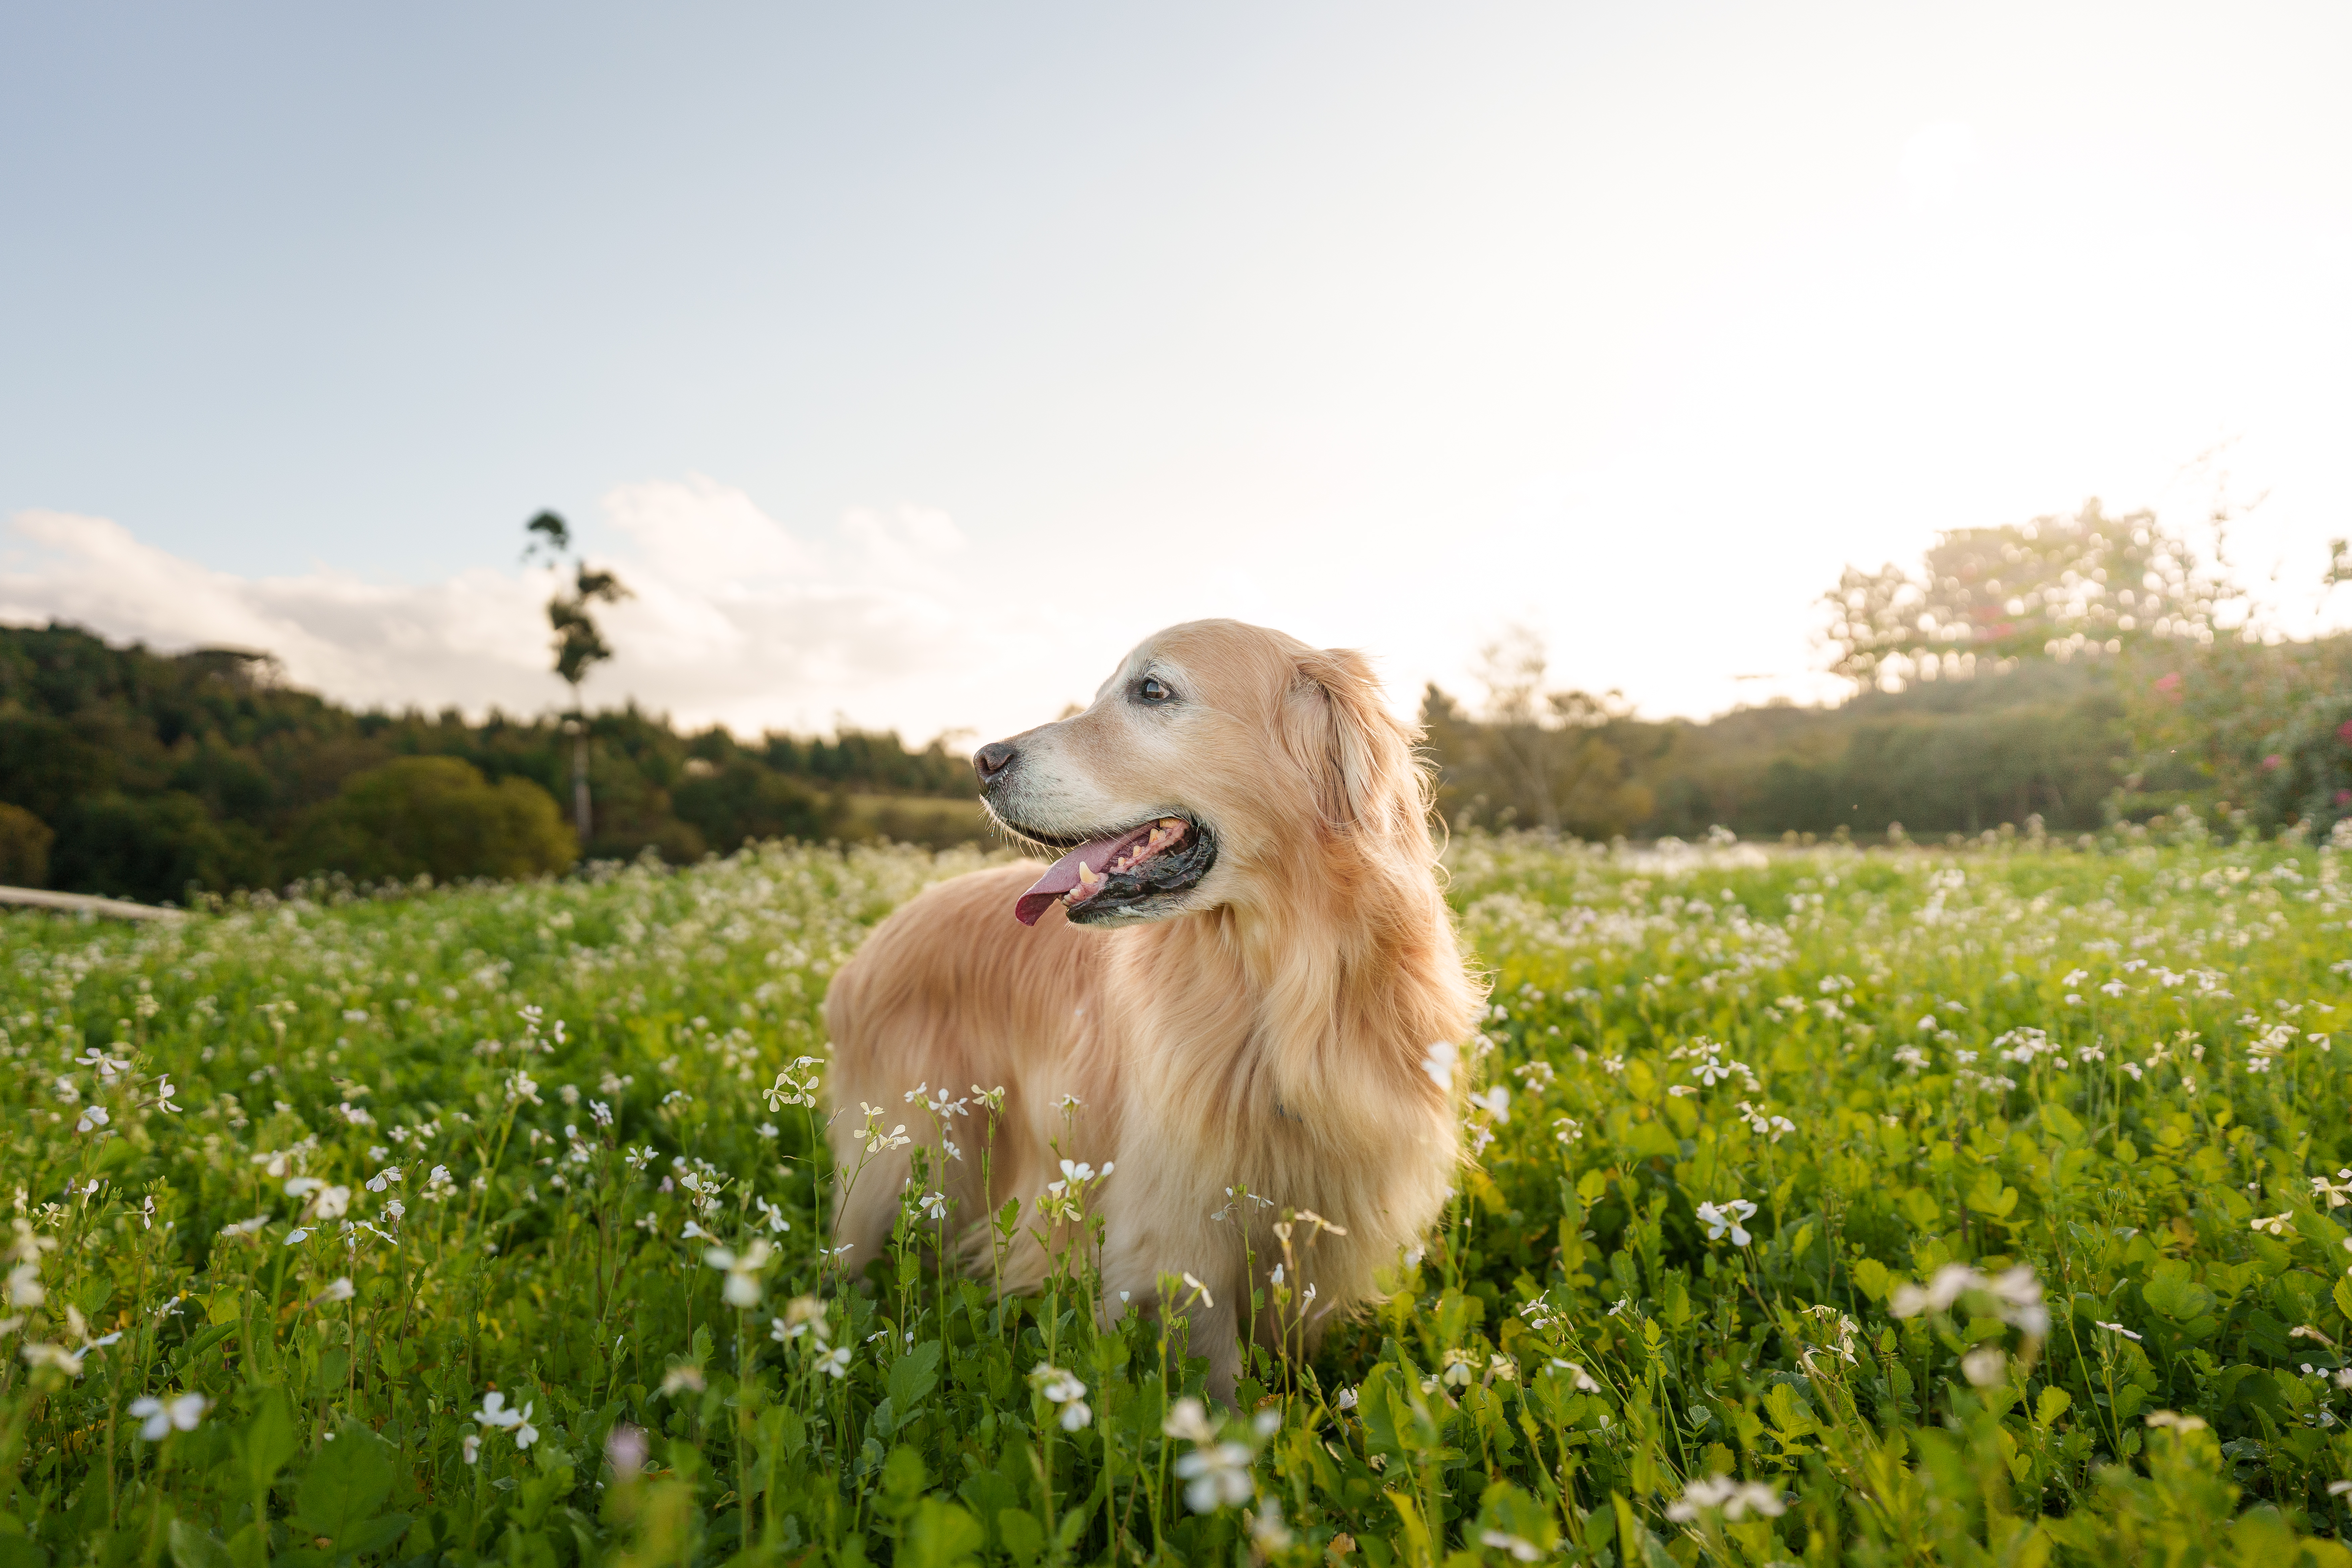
pixel 1153 689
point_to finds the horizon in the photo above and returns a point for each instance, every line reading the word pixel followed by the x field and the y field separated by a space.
pixel 888 359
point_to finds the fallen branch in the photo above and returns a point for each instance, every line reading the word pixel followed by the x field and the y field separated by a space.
pixel 86 904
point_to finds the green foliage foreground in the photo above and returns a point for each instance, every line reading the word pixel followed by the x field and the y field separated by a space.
pixel 1832 1206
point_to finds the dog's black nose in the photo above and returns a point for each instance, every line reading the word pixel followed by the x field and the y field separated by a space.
pixel 992 759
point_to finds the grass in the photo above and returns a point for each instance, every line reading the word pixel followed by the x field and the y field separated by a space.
pixel 1829 1205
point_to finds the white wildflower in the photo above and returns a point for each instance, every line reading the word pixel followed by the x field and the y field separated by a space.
pixel 1215 1475
pixel 743 1269
pixel 1737 1499
pixel 161 1417
pixel 1061 1388
pixel 494 1412
pixel 1728 1219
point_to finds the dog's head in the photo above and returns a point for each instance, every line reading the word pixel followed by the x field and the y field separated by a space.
pixel 1219 762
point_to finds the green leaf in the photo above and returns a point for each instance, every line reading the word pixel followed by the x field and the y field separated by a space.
pixel 334 1370
pixel 1645 1140
pixel 913 1376
pixel 990 1494
pixel 1073 1525
pixel 2177 1296
pixel 2343 1297
pixel 1636 1545
pixel 1870 1278
pixel 2318 1230
pixel 2062 1123
pixel 2054 1403
pixel 264 1444
pixel 1789 1412
pixel 1023 1537
pixel 903 1480
pixel 346 1483
pixel 940 1535
pixel 1376 1406
pixel 206 1340
pixel 1987 1196
pixel 375 1535
pixel 193 1548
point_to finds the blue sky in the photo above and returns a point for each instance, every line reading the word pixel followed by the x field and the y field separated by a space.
pixel 916 360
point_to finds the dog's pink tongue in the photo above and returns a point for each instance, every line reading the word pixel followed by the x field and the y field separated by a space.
pixel 1062 877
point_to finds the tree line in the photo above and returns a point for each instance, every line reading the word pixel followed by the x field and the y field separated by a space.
pixel 128 772
pixel 2082 670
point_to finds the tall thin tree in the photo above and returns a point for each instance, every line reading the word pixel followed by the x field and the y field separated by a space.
pixel 579 644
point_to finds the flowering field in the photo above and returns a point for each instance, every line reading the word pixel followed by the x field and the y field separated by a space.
pixel 1901 1207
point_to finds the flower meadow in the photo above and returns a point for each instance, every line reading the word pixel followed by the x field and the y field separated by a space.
pixel 1977 1204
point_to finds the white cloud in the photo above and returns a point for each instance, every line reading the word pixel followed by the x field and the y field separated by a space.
pixel 735 620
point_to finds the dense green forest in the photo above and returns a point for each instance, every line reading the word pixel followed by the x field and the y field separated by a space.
pixel 2075 670
pixel 124 771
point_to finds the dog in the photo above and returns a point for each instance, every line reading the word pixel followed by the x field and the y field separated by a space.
pixel 1232 994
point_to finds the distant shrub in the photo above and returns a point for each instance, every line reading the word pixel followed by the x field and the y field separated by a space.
pixel 743 799
pixel 438 816
pixel 24 847
pixel 916 819
pixel 152 847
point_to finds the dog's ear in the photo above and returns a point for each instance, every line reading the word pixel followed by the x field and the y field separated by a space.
pixel 1342 735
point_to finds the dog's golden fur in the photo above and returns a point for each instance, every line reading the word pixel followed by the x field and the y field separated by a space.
pixel 1266 1029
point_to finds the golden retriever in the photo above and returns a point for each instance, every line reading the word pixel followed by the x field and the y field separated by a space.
pixel 1228 986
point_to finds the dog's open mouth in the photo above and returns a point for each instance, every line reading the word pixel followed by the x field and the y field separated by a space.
pixel 1101 877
